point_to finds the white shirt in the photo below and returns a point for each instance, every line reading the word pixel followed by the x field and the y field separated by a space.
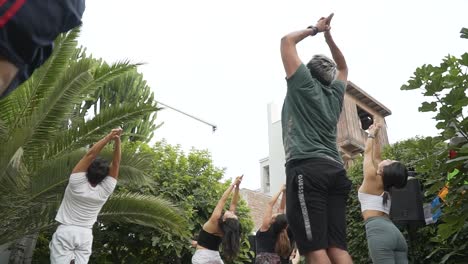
pixel 374 202
pixel 82 202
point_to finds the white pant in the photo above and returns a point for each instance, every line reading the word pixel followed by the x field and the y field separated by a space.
pixel 206 256
pixel 71 242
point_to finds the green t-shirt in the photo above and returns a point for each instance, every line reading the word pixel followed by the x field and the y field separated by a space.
pixel 310 115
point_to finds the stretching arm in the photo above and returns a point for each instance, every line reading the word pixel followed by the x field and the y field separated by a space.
pixel 283 200
pixel 372 152
pixel 235 199
pixel 338 57
pixel 93 152
pixel 114 168
pixel 269 212
pixel 291 61
pixel 219 207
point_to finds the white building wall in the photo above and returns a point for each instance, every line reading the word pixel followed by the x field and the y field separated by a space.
pixel 276 159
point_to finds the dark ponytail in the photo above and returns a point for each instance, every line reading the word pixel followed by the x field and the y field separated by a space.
pixel 282 244
pixel 394 175
pixel 231 237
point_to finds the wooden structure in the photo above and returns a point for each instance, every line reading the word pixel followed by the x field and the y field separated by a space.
pixel 359 112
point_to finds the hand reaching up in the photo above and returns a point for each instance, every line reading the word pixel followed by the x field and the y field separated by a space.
pixel 238 181
pixel 323 24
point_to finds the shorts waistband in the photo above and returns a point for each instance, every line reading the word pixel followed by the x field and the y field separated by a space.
pixel 75 227
pixel 327 160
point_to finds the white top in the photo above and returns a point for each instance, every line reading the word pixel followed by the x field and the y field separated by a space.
pixel 373 202
pixel 82 202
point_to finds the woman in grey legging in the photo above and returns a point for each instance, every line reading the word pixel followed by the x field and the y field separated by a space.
pixel 386 243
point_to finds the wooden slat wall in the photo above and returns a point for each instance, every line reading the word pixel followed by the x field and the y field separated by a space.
pixel 349 125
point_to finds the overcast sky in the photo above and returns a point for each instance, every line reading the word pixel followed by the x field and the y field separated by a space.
pixel 220 61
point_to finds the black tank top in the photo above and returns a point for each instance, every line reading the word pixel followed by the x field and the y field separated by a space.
pixel 208 240
pixel 265 241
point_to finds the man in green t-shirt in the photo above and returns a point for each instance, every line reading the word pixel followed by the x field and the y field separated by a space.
pixel 316 183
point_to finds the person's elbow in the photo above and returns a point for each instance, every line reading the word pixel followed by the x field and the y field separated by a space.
pixel 342 68
pixel 286 41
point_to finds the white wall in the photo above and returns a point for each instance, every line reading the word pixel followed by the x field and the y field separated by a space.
pixel 276 159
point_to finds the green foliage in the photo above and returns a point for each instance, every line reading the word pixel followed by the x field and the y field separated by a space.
pixel 464 33
pixel 445 86
pixel 130 87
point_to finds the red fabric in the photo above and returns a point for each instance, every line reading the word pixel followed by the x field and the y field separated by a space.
pixel 11 11
pixel 452 154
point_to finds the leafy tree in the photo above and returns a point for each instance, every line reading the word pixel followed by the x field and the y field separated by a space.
pixel 464 33
pixel 130 87
pixel 445 87
pixel 41 140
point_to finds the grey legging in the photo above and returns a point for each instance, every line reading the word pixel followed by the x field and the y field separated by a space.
pixel 386 243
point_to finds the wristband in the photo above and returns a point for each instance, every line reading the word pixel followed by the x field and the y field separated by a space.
pixel 315 30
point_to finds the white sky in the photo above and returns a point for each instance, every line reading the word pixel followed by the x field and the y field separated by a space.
pixel 220 61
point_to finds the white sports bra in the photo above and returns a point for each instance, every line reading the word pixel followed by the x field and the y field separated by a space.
pixel 373 202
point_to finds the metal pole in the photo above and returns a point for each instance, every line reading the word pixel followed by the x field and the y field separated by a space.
pixel 214 127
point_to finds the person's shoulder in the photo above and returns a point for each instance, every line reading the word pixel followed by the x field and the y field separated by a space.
pixel 301 78
pixel 78 178
pixel 78 174
pixel 339 85
pixel 109 182
pixel 110 179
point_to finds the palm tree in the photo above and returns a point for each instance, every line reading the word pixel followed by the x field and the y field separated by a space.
pixel 42 137
pixel 128 87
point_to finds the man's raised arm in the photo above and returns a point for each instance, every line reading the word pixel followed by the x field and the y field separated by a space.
pixel 289 55
pixel 336 53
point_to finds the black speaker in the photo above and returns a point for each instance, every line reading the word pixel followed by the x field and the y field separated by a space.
pixel 407 205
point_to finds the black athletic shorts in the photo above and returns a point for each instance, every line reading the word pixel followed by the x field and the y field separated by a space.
pixel 28 29
pixel 316 191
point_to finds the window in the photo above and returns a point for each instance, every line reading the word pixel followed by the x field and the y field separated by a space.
pixel 366 119
pixel 266 179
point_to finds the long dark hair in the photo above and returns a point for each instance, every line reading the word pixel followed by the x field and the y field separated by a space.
pixel 393 175
pixel 231 237
pixel 279 228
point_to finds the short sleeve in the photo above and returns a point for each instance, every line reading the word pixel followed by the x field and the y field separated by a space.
pixel 77 179
pixel 107 186
pixel 300 79
pixel 339 87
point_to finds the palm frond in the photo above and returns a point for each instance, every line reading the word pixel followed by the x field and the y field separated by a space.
pixel 47 120
pixel 15 176
pixel 28 219
pixel 104 73
pixel 144 210
pixel 53 175
pixel 26 98
pixel 3 130
pixel 9 148
pixel 85 133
